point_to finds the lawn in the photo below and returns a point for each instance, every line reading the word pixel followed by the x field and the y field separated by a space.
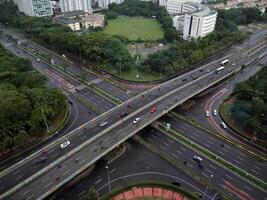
pixel 135 28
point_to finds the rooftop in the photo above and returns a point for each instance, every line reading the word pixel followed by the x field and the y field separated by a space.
pixel 74 13
pixel 201 10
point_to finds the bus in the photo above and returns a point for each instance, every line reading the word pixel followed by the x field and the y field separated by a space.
pixel 224 62
pixel 219 70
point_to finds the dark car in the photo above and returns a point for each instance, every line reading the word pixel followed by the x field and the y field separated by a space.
pixel 176 183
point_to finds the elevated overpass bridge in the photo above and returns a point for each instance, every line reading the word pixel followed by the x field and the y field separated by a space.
pixel 90 142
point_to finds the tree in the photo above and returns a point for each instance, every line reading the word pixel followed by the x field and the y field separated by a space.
pixel 92 194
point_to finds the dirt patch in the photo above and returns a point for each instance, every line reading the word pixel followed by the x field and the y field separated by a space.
pixel 144 49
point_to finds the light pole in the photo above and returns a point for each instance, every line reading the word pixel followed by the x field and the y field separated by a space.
pixel 214 196
pixel 207 186
pixel 47 128
pixel 253 137
pixel 109 187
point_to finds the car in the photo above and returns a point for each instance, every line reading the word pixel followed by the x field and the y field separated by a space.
pixel 176 183
pixel 103 124
pixel 214 112
pixel 197 159
pixel 65 144
pixel 38 60
pixel 136 120
pixel 233 64
pixel 42 160
pixel 63 55
pixel 154 109
pixel 207 113
pixel 223 125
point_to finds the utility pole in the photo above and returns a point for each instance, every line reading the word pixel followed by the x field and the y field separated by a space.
pixel 109 187
pixel 47 128
pixel 207 186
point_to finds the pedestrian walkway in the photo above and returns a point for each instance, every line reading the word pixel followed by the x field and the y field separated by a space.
pixel 136 193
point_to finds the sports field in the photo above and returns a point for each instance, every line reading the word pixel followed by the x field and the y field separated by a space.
pixel 135 28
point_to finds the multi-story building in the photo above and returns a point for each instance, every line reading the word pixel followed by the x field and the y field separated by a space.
pixel 104 3
pixel 72 5
pixel 195 20
pixel 175 6
pixel 38 8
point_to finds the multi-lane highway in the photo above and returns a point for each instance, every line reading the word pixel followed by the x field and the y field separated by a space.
pixel 101 140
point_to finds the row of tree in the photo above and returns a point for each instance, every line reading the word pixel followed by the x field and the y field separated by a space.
pixel 24 99
pixel 182 54
pixel 145 9
pixel 250 109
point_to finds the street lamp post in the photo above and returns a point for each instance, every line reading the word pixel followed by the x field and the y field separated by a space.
pixel 109 187
pixel 207 186
pixel 47 128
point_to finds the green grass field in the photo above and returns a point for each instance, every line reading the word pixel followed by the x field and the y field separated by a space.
pixel 135 28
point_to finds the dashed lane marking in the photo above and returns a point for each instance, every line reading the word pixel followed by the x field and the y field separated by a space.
pixel 162 147
pixel 66 172
pixel 248 188
pixel 166 144
pixel 212 166
pixel 179 152
pixel 49 184
pixel 113 170
pixel 29 197
pixel 19 177
pixel 81 193
pixel 209 171
pixel 228 176
pixel 175 155
pixel 27 191
pixel 255 171
pixel 98 181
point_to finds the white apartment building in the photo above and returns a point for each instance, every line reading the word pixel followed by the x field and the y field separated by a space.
pixel 38 8
pixel 175 6
pixel 104 3
pixel 72 5
pixel 195 20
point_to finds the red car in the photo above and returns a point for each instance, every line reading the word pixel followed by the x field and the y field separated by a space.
pixel 154 109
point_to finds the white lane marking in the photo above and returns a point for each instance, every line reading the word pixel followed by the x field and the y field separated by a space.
pixel 255 171
pixel 162 147
pixel 16 172
pixel 170 141
pixel 49 184
pixel 45 179
pixel 82 161
pixel 186 125
pixel 66 172
pixel 150 139
pixel 248 188
pixel 29 197
pixel 175 155
pixel 80 133
pixel 242 159
pixel 83 137
pixel 212 166
pixel 228 176
pixel 210 142
pixel 226 151
pixel 205 175
pixel 189 165
pixel 154 136
pixel 237 162
pixel 98 181
pixel 209 171
pixel 81 193
pixel 193 137
pixel 19 177
pixel 158 133
pixel 183 148
pixel 54 155
pixel 166 144
pixel 195 134
pixel 27 191
pixel 113 170
pixel 50 151
pixel 221 153
pixel 213 139
pixel 179 152
pixel 257 167
pixel 242 154
pixel 206 144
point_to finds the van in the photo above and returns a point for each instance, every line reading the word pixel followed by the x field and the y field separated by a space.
pixel 223 125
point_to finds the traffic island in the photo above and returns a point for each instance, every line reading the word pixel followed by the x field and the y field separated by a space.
pixel 150 191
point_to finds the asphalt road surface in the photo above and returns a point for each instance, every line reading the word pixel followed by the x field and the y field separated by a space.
pixel 143 166
pixel 222 179
pixel 119 133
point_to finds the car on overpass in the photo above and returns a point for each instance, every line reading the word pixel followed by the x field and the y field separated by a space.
pixel 136 120
pixel 65 144
pixel 154 109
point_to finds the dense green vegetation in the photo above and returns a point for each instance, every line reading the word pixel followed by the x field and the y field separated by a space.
pixel 135 28
pixel 250 106
pixel 91 194
pixel 111 52
pixel 23 98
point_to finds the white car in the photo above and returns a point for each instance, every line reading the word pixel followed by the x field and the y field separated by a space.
pixel 207 113
pixel 103 124
pixel 136 120
pixel 214 112
pixel 223 125
pixel 65 144
pixel 233 64
pixel 38 60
